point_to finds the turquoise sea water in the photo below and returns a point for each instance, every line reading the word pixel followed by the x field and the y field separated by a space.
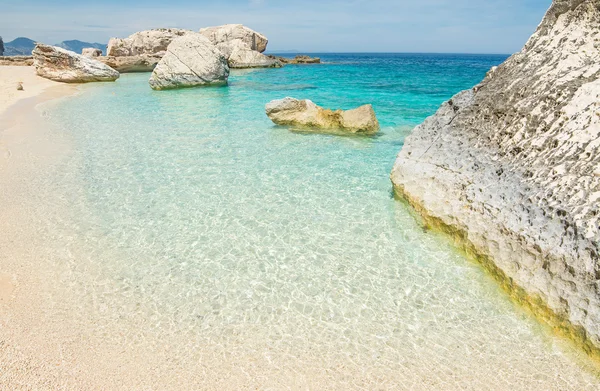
pixel 276 259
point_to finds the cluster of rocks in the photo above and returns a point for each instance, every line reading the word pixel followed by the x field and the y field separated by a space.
pixel 241 47
pixel 177 58
pixel 183 58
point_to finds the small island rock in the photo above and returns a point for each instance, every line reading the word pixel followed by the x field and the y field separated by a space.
pixel 305 113
pixel 191 61
pixel 62 65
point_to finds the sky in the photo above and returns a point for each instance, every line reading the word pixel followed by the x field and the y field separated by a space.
pixel 436 26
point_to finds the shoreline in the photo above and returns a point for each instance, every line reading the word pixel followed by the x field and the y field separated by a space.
pixel 33 86
pixel 27 149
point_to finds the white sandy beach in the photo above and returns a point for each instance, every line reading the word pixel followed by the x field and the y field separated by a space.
pixel 24 147
pixel 33 85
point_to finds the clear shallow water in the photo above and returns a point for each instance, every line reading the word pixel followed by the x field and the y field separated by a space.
pixel 276 259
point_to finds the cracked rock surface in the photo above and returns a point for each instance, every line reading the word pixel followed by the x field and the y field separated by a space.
pixel 191 61
pixel 514 164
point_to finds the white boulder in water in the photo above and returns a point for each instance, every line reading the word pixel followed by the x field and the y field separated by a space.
pixel 191 61
pixel 309 116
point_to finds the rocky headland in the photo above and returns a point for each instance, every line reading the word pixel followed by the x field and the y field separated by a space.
pixel 511 169
pixel 310 117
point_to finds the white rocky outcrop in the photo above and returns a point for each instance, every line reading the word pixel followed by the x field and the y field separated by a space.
pixel 309 116
pixel 512 167
pixel 191 61
pixel 148 42
pixel 62 65
pixel 91 52
pixel 231 32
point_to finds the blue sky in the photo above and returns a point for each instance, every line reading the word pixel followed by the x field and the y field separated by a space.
pixel 457 26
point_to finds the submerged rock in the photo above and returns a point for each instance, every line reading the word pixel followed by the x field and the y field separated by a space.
pixel 305 113
pixel 510 166
pixel 61 65
pixel 191 61
pixel 231 32
pixel 299 59
pixel 130 64
pixel 91 52
pixel 148 42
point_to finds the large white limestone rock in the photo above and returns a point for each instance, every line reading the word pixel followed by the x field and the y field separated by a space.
pixel 512 165
pixel 62 65
pixel 191 61
pixel 148 42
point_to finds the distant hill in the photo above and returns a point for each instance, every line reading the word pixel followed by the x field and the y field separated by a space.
pixel 19 47
pixel 23 46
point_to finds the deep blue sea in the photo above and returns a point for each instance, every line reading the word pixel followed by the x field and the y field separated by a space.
pixel 197 231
